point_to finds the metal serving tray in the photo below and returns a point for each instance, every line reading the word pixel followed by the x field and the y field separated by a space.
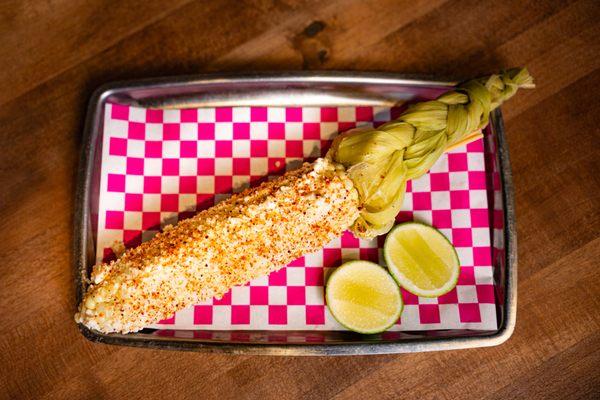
pixel 298 89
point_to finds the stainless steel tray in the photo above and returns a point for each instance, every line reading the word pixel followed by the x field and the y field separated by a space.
pixel 300 89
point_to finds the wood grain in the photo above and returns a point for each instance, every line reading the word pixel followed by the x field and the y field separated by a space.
pixel 54 53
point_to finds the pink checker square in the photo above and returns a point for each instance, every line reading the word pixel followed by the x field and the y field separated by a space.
pixel 349 240
pixel 278 278
pixel 150 221
pixel 188 149
pixel 132 238
pixel 298 262
pixel 204 201
pixel 134 202
pixel 241 130
pixel 311 131
pixel 206 131
pixel 277 315
pixel 241 166
pixel 329 114
pixel 171 132
pixel 441 219
pixel 344 126
pixel 168 321
pixel 108 255
pixel 259 148
pixel 296 295
pixel 169 202
pixel 223 148
pixel 462 237
pixel 332 257
pixel 485 294
pixel 114 219
pixel 119 112
pixel 476 146
pixel 185 215
pixel 469 312
pixel 449 298
pixel 223 184
pixel 206 166
pixel 482 256
pixel 153 149
pixel 154 116
pixel 439 181
pixel 409 186
pixel 276 130
pixel 409 298
pixel 477 180
pixel 457 162
pixel 422 201
pixel 315 315
pixel 364 114
pixel 258 114
pixel 240 315
pixel 259 295
pixel 116 183
pixel 170 166
pixel 118 147
pixel 225 300
pixel 466 276
pixel 152 184
pixel 459 199
pixel 187 184
pixel 496 181
pixel 498 216
pixel 293 114
pixel 135 166
pixel 370 255
pixel 189 115
pixel 404 216
pixel 313 276
pixel 429 313
pixel 276 166
pixel 203 315
pixel 480 218
pixel 223 114
pixel 136 130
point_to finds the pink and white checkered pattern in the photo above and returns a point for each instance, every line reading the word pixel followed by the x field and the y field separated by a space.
pixel 162 165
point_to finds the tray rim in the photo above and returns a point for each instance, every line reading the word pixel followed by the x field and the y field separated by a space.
pixel 82 222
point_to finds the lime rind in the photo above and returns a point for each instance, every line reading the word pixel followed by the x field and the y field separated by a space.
pixel 406 283
pixel 330 302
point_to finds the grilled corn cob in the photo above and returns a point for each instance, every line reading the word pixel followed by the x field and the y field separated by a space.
pixel 262 229
pixel 249 235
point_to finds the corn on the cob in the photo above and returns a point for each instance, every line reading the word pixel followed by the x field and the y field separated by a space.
pixel 249 235
pixel 262 229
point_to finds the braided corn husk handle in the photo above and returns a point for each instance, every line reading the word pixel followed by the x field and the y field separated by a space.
pixel 380 160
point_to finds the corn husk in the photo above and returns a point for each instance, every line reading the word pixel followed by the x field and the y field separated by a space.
pixel 380 160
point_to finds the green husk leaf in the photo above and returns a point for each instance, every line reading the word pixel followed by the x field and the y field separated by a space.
pixel 380 160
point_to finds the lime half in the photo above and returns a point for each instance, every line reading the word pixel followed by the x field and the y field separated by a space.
pixel 363 297
pixel 421 259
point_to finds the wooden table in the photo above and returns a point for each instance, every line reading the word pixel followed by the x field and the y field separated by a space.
pixel 54 53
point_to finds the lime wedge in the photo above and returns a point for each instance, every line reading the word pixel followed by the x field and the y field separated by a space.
pixel 363 297
pixel 421 259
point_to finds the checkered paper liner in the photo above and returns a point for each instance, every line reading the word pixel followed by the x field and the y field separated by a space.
pixel 159 166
